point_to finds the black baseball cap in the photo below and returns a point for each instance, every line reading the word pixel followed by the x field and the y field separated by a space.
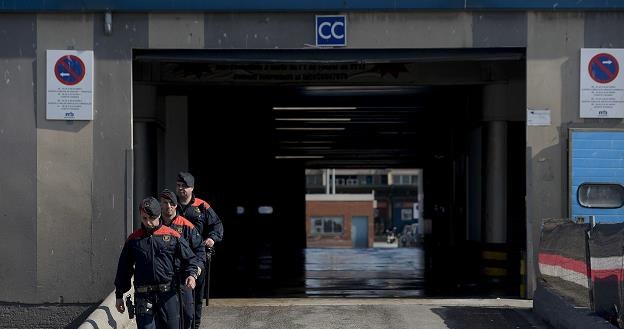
pixel 169 195
pixel 186 178
pixel 150 206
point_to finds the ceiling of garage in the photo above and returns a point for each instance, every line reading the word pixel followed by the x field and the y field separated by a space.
pixel 344 107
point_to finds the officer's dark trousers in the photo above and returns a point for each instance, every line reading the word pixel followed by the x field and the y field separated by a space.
pixel 164 312
pixel 199 296
pixel 188 306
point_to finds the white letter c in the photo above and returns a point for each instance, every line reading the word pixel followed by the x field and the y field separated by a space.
pixel 320 30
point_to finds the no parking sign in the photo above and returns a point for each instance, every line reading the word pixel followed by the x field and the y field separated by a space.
pixel 602 84
pixel 69 90
pixel 69 70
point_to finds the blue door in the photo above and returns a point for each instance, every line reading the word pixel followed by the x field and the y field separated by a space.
pixel 359 231
pixel 596 175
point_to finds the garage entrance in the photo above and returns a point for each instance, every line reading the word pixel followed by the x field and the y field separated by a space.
pixel 248 124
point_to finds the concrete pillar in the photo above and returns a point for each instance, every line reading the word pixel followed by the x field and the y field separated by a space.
pixel 326 176
pixel 144 164
pixel 421 203
pixel 496 183
pixel 144 145
pixel 475 187
pixel 176 151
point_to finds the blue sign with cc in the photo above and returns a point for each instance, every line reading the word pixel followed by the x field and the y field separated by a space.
pixel 331 30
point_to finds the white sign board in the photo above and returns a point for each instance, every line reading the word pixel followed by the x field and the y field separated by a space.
pixel 416 210
pixel 406 214
pixel 538 117
pixel 602 85
pixel 69 88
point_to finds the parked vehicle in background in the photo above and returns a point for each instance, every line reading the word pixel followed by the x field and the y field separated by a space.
pixel 391 235
pixel 409 236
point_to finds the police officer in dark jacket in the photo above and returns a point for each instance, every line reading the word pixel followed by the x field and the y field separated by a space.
pixel 150 254
pixel 170 218
pixel 205 219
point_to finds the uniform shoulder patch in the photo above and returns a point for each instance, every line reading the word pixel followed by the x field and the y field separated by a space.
pixel 136 234
pixel 179 220
pixel 199 202
pixel 164 230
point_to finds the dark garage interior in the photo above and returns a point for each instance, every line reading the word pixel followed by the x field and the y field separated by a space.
pixel 258 119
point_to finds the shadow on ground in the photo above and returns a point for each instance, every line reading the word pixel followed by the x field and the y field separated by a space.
pixel 463 317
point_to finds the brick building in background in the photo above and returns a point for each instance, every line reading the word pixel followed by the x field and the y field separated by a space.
pixel 340 220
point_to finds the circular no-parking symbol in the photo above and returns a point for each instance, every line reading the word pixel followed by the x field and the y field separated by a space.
pixel 603 68
pixel 69 70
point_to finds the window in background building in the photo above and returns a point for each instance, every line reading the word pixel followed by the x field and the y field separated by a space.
pixel 407 214
pixel 314 180
pixel 346 180
pixel 404 179
pixel 327 225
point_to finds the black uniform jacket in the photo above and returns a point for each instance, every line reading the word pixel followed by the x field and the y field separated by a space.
pixel 192 236
pixel 205 219
pixel 150 256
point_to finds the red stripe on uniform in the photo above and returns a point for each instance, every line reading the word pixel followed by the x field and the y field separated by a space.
pixel 179 220
pixel 199 201
pixel 137 234
pixel 164 230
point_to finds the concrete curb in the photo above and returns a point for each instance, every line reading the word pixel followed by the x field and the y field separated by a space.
pixel 287 302
pixel 106 315
pixel 561 314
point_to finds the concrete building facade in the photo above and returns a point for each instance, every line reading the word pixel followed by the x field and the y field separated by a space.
pixel 67 186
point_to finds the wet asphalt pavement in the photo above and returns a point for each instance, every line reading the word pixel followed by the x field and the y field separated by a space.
pixel 327 272
pixel 379 272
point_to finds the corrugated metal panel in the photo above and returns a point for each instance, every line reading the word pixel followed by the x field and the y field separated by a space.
pixel 299 6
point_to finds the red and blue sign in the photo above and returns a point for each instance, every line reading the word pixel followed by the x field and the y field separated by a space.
pixel 69 70
pixel 603 68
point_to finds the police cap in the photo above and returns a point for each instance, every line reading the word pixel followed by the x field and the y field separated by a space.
pixel 150 206
pixel 169 195
pixel 186 178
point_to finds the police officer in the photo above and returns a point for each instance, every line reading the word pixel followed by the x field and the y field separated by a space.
pixel 205 219
pixel 168 205
pixel 150 254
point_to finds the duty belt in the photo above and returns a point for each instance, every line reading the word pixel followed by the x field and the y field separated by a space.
pixel 163 287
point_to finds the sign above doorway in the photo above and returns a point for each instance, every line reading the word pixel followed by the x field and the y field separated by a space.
pixel 331 30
